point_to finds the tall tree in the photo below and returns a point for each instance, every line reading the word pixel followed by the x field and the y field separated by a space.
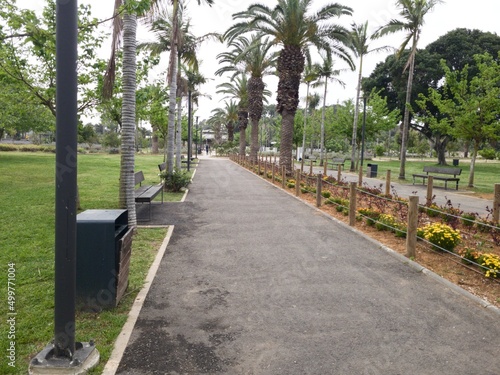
pixel 238 89
pixel 360 46
pixel 291 25
pixel 251 56
pixel 128 24
pixel 457 48
pixel 412 13
pixel 325 71
pixel 227 115
pixel 471 106
pixel 310 75
pixel 172 74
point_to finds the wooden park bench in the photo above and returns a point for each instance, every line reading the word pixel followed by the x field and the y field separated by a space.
pixel 146 193
pixel 335 162
pixel 310 158
pixel 439 173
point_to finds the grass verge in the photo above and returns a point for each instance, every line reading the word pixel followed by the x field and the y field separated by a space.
pixel 27 240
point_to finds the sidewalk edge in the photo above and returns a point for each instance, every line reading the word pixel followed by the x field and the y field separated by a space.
pixel 124 336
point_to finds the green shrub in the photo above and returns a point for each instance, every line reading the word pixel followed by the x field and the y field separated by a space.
pixel 468 219
pixel 386 222
pixel 176 180
pixel 371 216
pixel 326 194
pixel 488 153
pixel 8 147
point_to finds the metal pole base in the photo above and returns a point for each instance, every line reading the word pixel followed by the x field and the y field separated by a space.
pixel 85 358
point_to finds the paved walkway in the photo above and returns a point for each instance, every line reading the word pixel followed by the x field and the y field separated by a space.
pixel 256 282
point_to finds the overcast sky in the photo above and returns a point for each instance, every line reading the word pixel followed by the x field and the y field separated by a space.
pixel 449 15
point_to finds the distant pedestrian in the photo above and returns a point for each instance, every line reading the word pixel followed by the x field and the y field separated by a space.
pixel 207 148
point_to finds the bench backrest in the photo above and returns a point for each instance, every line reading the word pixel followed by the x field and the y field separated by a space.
pixel 139 177
pixel 337 160
pixel 162 167
pixel 443 170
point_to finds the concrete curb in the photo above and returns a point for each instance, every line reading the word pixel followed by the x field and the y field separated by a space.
pixel 124 336
pixel 416 266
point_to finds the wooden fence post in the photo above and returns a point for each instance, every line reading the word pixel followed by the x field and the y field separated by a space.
pixel 302 164
pixel 318 190
pixel 311 169
pixel 273 172
pixel 430 185
pixel 325 165
pixel 339 172
pixel 258 172
pixel 352 204
pixel 496 204
pixel 283 176
pixel 360 177
pixel 297 182
pixel 265 168
pixel 411 233
pixel 388 183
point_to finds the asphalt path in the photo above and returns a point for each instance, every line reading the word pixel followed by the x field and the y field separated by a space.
pixel 254 281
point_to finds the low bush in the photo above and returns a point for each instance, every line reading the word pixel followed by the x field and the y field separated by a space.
pixel 176 180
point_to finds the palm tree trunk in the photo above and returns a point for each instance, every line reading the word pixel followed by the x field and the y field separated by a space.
pixel 243 123
pixel 172 82
pixel 127 180
pixel 254 136
pixel 356 116
pixel 287 121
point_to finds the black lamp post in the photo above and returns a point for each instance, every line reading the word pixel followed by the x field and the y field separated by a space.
pixel 64 352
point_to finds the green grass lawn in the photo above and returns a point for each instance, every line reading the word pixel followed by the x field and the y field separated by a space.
pixel 486 174
pixel 27 196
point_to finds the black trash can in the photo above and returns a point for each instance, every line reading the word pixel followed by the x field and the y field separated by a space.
pixel 373 169
pixel 103 249
pixel 455 162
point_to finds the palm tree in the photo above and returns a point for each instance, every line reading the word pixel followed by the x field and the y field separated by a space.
pixel 326 71
pixel 238 89
pixel 227 115
pixel 128 24
pixel 310 75
pixel 162 26
pixel 251 56
pixel 194 79
pixel 360 47
pixel 290 25
pixel 412 14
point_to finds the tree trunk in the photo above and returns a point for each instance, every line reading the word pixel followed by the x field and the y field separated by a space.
pixel 287 121
pixel 230 131
pixel 290 67
pixel 473 164
pixel 172 82
pixel 356 116
pixel 154 141
pixel 440 148
pixel 243 123
pixel 255 107
pixel 127 180
pixel 406 120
